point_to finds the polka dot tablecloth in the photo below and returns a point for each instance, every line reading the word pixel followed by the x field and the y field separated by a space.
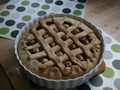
pixel 17 13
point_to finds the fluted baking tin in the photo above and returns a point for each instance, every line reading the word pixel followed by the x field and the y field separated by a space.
pixel 60 84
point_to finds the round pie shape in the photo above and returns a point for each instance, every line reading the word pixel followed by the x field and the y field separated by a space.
pixel 59 47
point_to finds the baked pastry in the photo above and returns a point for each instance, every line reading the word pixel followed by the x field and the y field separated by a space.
pixel 59 47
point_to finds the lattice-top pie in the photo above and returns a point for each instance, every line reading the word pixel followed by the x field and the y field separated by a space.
pixel 59 47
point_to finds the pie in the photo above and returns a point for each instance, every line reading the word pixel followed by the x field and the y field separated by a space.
pixel 59 47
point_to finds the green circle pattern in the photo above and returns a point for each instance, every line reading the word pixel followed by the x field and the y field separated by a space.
pixel 77 12
pixel 25 2
pixel 26 18
pixel 109 73
pixel 81 6
pixel 107 88
pixel 4 30
pixel 116 48
pixel 45 7
pixel 4 13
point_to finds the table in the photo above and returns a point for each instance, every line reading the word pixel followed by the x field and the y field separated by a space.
pixel 106 14
pixel 98 11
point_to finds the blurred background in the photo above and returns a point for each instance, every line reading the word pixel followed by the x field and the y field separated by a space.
pixel 106 14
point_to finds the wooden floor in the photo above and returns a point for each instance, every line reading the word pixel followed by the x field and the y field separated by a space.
pixel 106 14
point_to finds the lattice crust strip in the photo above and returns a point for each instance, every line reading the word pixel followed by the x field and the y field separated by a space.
pixel 61 47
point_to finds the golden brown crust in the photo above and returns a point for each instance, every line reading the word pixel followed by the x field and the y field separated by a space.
pixel 61 47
